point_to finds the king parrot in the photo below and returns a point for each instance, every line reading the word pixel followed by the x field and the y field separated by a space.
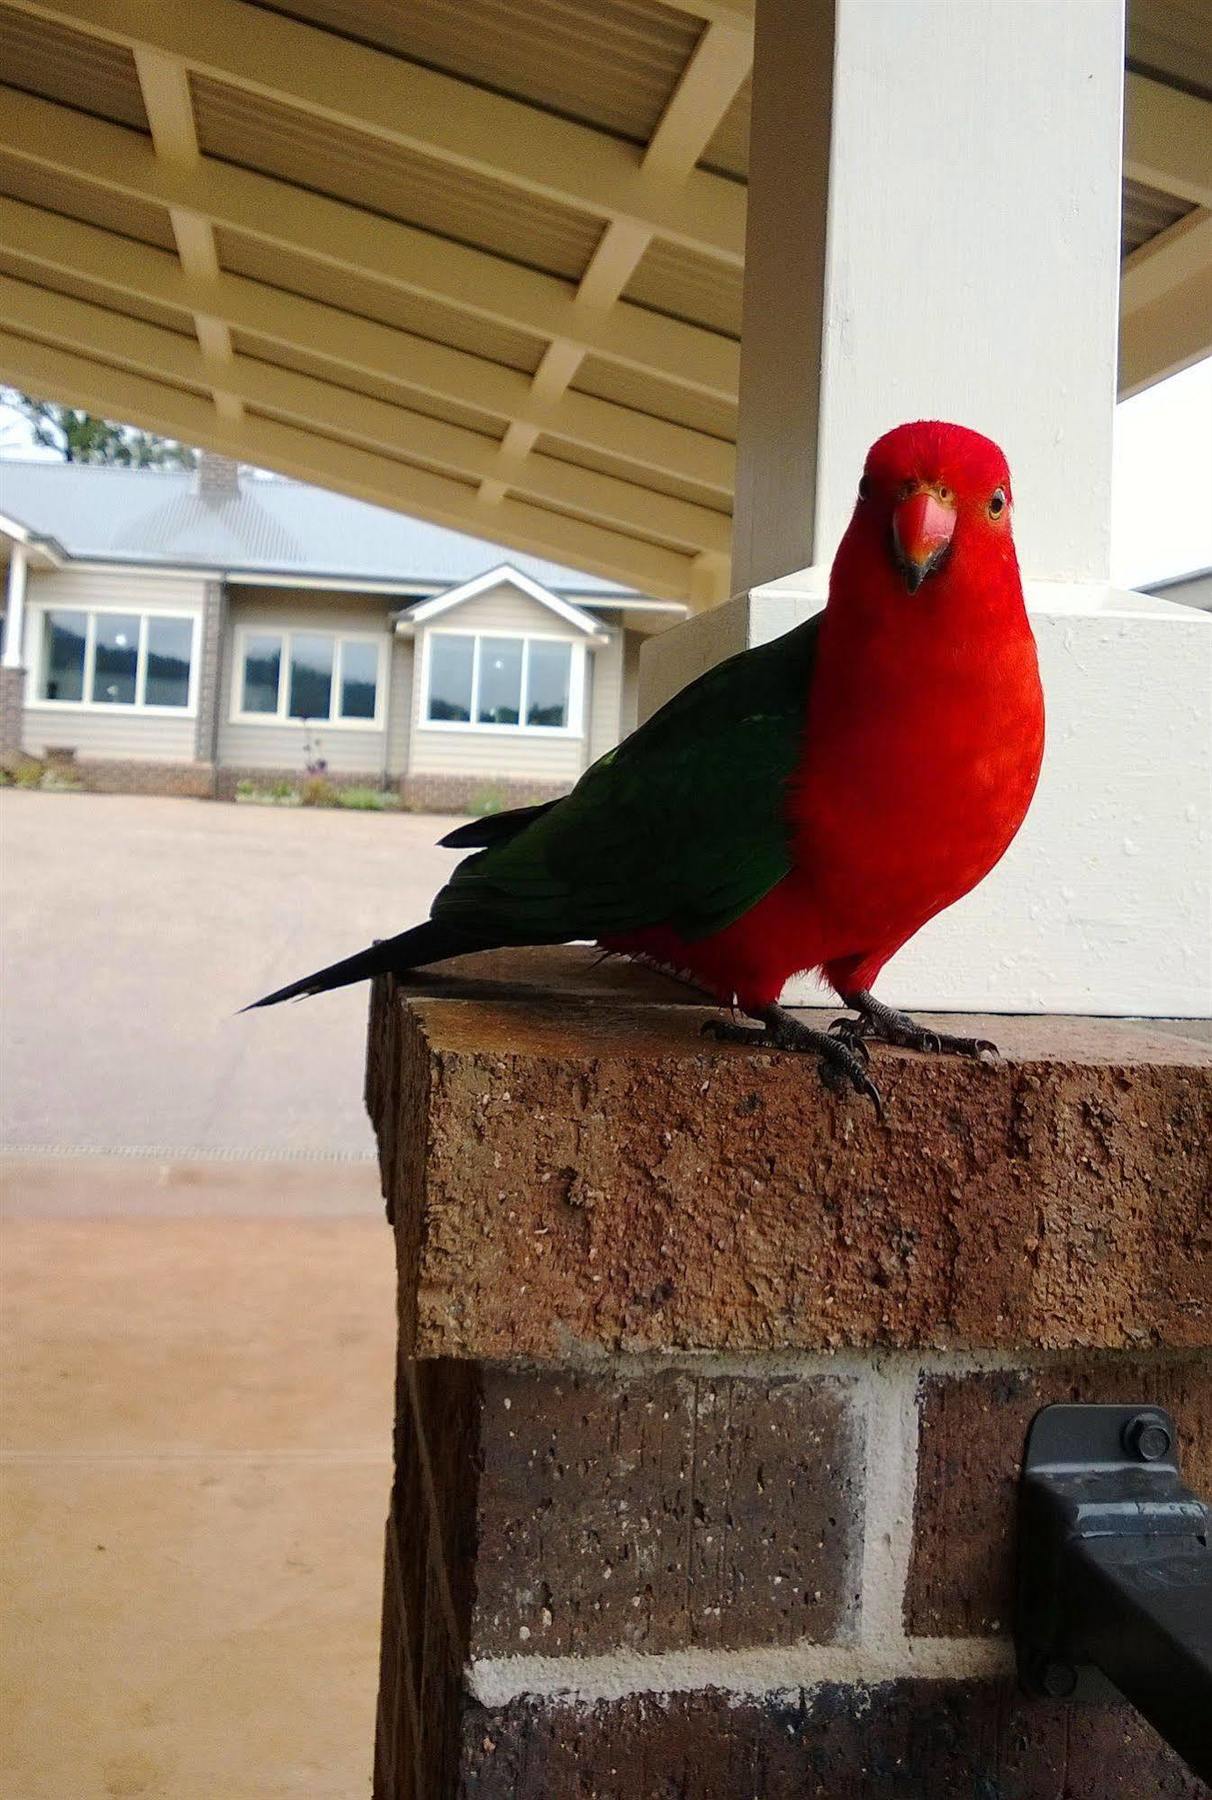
pixel 806 805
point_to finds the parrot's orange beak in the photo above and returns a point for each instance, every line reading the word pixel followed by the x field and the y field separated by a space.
pixel 921 531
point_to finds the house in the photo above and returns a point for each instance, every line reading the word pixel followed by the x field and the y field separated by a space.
pixel 185 631
pixel 1192 589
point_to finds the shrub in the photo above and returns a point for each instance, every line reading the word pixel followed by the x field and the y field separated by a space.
pixel 317 790
pixel 485 801
pixel 28 773
pixel 367 799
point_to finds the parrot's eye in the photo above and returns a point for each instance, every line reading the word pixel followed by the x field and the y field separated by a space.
pixel 944 494
pixel 864 487
pixel 997 503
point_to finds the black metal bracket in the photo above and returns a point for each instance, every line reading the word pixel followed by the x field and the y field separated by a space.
pixel 1115 1571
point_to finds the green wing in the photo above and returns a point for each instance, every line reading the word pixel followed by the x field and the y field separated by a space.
pixel 683 824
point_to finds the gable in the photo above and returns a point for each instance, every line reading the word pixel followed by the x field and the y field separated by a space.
pixel 505 609
pixel 510 581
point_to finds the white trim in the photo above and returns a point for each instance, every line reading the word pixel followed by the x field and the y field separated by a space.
pixel 577 676
pixel 505 575
pixel 39 546
pixel 14 611
pixel 37 611
pixel 282 717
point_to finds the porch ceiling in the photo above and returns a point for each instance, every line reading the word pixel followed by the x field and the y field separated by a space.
pixel 479 260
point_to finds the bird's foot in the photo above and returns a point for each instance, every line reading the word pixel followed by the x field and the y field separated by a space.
pixel 884 1025
pixel 842 1064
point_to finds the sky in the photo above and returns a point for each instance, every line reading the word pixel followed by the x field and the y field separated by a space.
pixel 1161 510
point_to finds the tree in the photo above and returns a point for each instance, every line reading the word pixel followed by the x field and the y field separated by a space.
pixel 80 437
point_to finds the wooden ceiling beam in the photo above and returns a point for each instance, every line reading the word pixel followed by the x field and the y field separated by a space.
pixel 364 89
pixel 59 374
pixel 89 150
pixel 49 244
pixel 1168 139
pixel 167 356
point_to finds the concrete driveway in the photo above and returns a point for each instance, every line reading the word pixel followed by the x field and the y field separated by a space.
pixel 198 1335
pixel 133 930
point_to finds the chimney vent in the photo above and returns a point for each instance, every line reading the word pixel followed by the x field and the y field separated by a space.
pixel 218 477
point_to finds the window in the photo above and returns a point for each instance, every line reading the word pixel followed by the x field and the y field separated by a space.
pixel 308 675
pixel 493 683
pixel 130 660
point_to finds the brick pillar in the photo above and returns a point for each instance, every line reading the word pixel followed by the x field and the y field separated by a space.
pixel 12 712
pixel 712 1390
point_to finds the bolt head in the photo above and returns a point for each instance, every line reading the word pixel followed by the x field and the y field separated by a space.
pixel 1147 1437
pixel 1057 1679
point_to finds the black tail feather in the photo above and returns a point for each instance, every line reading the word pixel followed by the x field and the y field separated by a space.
pixel 495 828
pixel 410 950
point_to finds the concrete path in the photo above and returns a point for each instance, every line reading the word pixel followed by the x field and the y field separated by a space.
pixel 133 930
pixel 198 1338
pixel 194 1474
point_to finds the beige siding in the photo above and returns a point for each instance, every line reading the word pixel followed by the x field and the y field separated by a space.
pixel 605 696
pixel 97 731
pixel 347 750
pixel 399 715
pixel 518 755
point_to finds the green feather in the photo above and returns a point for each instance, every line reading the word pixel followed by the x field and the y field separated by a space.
pixel 683 824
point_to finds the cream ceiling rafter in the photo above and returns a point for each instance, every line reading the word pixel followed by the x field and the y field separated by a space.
pixel 405 104
pixel 167 356
pixel 709 84
pixel 47 244
pixel 1166 303
pixel 164 83
pixel 58 374
pixel 1168 139
pixel 90 150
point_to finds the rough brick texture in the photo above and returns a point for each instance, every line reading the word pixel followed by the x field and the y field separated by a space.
pixel 662 1513
pixel 908 1740
pixel 97 775
pixel 712 1390
pixel 650 1190
pixel 12 711
pixel 468 793
pixel 972 1431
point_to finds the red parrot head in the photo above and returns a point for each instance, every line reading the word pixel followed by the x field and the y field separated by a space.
pixel 935 495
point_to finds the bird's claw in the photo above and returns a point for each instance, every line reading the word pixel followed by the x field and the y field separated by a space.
pixel 839 1076
pixel 905 1034
pixel 842 1060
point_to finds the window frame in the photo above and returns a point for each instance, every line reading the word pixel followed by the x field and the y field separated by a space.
pixel 577 675
pixel 40 608
pixel 283 717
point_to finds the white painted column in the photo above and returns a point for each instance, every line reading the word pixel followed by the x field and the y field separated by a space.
pixel 934 233
pixel 14 628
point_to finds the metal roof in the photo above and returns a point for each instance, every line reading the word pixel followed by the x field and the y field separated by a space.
pixel 476 259
pixel 157 516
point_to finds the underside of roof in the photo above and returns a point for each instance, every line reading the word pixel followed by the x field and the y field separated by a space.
pixel 478 260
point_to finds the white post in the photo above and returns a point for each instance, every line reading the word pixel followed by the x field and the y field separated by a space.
pixel 934 233
pixel 14 628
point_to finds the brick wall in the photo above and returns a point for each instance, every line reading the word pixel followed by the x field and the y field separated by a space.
pixel 12 702
pixel 101 775
pixel 467 793
pixel 712 1391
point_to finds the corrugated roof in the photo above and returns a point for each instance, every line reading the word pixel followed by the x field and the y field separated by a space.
pixel 257 133
pixel 614 64
pixel 157 516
